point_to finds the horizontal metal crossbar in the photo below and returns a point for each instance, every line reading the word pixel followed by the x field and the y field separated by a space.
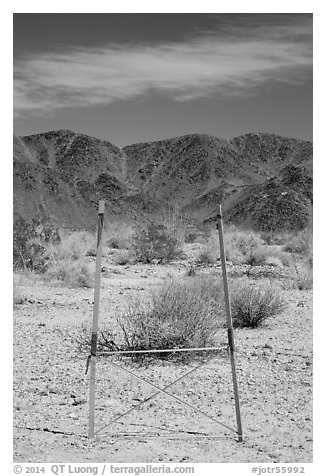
pixel 154 351
pixel 163 390
pixel 171 437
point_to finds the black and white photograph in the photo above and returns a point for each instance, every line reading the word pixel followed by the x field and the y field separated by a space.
pixel 163 239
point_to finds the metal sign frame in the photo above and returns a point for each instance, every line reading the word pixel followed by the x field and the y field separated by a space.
pixel 93 353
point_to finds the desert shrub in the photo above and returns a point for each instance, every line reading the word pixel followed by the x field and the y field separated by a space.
pixel 300 243
pixel 92 250
pixel 18 295
pixel 113 243
pixel 195 236
pixel 191 237
pixel 274 237
pixel 119 236
pixel 24 281
pixel 72 273
pixel 191 270
pixel 253 304
pixel 30 242
pixel 154 243
pixel 123 257
pixel 271 255
pixel 206 257
pixel 106 338
pixel 66 260
pixel 73 246
pixel 210 251
pixel 303 275
pixel 175 223
pixel 241 246
pixel 305 280
pixel 182 314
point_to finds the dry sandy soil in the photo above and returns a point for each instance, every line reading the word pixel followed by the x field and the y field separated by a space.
pixel 274 364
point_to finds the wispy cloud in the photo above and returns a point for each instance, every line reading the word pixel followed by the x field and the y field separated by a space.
pixel 228 64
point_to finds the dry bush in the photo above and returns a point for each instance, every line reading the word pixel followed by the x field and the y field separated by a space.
pixel 192 237
pixel 175 223
pixel 240 247
pixel 23 282
pixel 184 313
pixel 30 242
pixel 187 313
pixel 119 236
pixel 303 275
pixel 253 304
pixel 18 295
pixel 123 257
pixel 206 257
pixel 305 280
pixel 72 273
pixel 190 271
pixel 66 260
pixel 274 237
pixel 301 243
pixel 270 255
pixel 210 252
pixel 301 248
pixel 73 246
pixel 153 243
pixel 106 339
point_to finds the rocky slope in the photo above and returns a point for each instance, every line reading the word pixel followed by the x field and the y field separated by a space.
pixel 261 180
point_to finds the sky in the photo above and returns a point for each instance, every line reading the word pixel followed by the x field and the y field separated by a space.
pixel 137 77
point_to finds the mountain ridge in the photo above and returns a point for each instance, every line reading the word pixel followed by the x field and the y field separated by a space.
pixel 195 172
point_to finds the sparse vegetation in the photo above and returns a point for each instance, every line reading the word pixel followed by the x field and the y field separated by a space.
pixel 23 281
pixel 123 257
pixel 183 313
pixel 73 246
pixel 242 247
pixel 175 223
pixel 300 248
pixel 153 242
pixel 189 313
pixel 67 260
pixel 303 275
pixel 210 252
pixel 191 271
pixel 206 258
pixel 38 247
pixel 186 311
pixel 72 273
pixel 305 280
pixel 119 236
pixel 270 255
pixel 274 237
pixel 252 304
pixel 30 242
pixel 300 243
pixel 18 295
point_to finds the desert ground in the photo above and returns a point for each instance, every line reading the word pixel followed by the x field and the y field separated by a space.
pixel 274 369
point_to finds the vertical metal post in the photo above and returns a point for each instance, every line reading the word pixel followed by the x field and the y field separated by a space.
pixel 92 360
pixel 229 323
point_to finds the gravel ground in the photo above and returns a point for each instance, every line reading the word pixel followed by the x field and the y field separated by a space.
pixel 274 365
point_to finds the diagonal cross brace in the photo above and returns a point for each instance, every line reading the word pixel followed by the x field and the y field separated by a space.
pixel 162 390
